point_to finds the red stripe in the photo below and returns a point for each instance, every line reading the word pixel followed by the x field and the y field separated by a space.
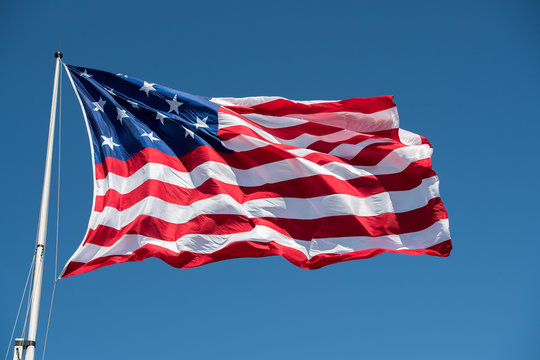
pixel 321 146
pixel 312 128
pixel 230 132
pixel 306 187
pixel 188 162
pixel 282 107
pixel 187 259
pixel 373 154
pixel 287 132
pixel 202 154
pixel 294 131
pixel 368 156
pixel 300 229
pixel 326 146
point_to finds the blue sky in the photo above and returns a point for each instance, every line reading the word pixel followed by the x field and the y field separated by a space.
pixel 465 75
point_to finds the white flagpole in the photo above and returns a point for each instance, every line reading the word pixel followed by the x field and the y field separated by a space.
pixel 42 227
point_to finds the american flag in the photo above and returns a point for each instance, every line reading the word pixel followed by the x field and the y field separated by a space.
pixel 193 180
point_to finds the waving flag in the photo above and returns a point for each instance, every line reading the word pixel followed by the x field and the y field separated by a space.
pixel 193 180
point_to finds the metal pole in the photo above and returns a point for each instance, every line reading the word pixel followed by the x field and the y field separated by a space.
pixel 42 227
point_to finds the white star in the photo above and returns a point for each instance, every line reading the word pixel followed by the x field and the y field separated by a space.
pixel 133 103
pixel 85 74
pixel 109 142
pixel 99 104
pixel 121 114
pixel 150 136
pixel 189 132
pixel 161 117
pixel 147 87
pixel 110 91
pixel 174 104
pixel 201 122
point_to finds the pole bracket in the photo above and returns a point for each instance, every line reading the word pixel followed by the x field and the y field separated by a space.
pixel 24 343
pixel 42 249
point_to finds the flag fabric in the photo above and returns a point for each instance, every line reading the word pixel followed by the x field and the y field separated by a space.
pixel 193 180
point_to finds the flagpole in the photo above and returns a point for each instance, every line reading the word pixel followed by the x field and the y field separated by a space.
pixel 42 227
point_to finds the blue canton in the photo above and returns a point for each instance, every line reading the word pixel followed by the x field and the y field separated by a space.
pixel 126 114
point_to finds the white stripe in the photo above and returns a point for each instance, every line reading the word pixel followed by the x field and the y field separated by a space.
pixel 278 207
pixel 302 140
pixel 272 122
pixel 207 244
pixel 434 234
pixel 257 100
pixel 395 162
pixel 228 120
pixel 278 171
pixel 409 138
pixel 354 121
pixel 349 151
pixel 246 143
pixel 345 151
pixel 124 246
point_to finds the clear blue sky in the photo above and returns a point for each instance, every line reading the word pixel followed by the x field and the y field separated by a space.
pixel 465 75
